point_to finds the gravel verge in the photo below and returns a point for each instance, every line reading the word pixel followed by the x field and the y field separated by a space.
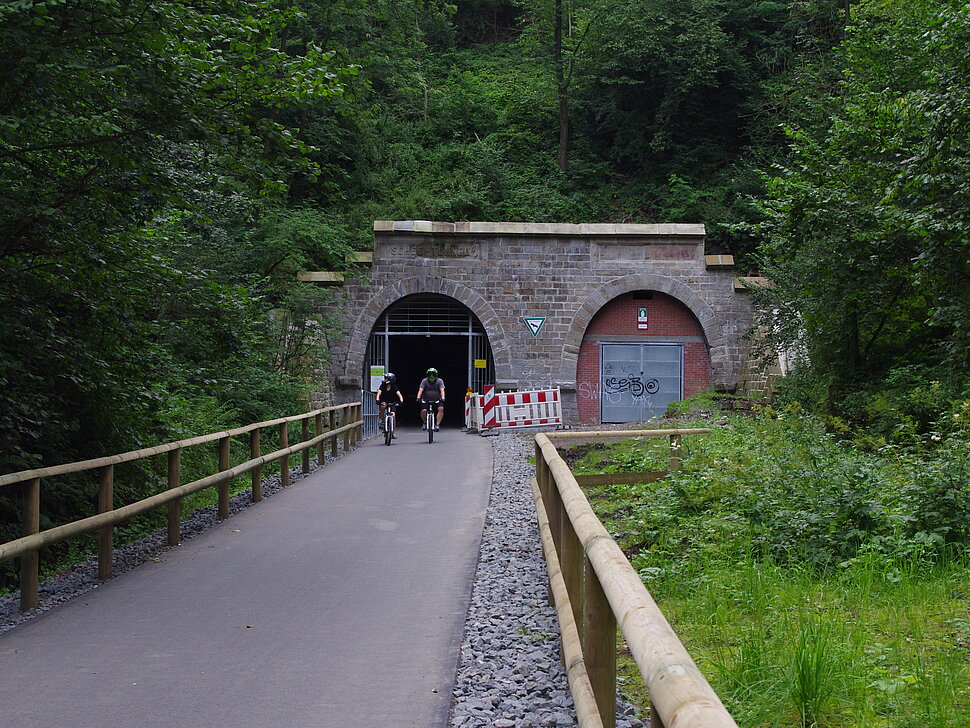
pixel 509 671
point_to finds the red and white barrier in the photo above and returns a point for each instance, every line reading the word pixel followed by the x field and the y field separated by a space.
pixel 513 409
pixel 488 407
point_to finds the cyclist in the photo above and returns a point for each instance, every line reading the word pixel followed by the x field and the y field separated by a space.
pixel 387 392
pixel 432 389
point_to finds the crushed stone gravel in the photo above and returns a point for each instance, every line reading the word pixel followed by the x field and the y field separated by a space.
pixel 509 671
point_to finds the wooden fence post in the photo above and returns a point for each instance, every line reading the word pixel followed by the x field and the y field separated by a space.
pixel 674 453
pixel 175 507
pixel 285 459
pixel 542 481
pixel 305 428
pixel 344 421
pixel 599 647
pixel 318 430
pixel 257 478
pixel 571 565
pixel 30 562
pixel 333 426
pixel 554 511
pixel 223 487
pixel 106 483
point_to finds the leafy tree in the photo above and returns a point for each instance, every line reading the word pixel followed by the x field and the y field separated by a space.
pixel 866 234
pixel 485 21
pixel 111 113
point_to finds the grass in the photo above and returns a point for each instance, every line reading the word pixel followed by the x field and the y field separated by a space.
pixel 806 580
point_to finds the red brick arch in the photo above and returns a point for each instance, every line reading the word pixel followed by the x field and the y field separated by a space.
pixel 668 320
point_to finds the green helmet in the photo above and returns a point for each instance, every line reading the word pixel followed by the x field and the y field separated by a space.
pixel 432 372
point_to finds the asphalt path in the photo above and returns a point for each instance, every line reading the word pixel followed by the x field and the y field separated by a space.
pixel 340 601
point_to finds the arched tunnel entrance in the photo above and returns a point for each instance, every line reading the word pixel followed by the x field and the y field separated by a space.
pixel 431 330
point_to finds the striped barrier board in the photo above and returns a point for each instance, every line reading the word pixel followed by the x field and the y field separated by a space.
pixel 473 412
pixel 488 407
pixel 512 409
pixel 529 409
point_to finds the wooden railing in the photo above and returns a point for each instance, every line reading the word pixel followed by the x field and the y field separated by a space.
pixel 326 427
pixel 594 588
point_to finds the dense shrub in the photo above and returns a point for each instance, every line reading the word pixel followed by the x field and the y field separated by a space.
pixel 778 486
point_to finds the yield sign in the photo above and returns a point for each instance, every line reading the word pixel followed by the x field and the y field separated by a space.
pixel 534 323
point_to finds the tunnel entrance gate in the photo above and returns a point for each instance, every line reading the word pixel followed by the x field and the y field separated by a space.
pixel 431 330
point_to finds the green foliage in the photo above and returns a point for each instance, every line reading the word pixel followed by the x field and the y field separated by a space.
pixel 111 115
pixel 813 583
pixel 862 238
pixel 801 498
pixel 813 668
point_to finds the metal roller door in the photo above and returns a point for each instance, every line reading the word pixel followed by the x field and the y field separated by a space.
pixel 638 381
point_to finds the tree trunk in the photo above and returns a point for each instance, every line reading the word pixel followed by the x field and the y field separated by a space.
pixel 855 350
pixel 561 90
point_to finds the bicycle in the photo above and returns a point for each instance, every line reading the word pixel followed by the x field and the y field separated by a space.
pixel 430 419
pixel 389 419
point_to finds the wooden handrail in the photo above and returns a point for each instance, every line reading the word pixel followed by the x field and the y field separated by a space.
pixel 680 695
pixel 20 546
pixel 584 698
pixel 80 466
pixel 28 545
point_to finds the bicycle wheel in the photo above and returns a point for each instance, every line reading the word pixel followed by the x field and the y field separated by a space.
pixel 430 423
pixel 388 430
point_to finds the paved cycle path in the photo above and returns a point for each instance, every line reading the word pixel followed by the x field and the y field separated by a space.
pixel 339 601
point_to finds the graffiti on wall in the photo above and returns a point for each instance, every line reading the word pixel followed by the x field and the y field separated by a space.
pixel 632 384
pixel 617 390
pixel 588 391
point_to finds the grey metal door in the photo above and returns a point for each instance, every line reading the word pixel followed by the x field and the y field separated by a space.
pixel 638 381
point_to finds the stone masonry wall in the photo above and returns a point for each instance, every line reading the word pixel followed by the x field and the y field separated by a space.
pixel 566 273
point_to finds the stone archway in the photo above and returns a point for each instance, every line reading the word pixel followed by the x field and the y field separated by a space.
pixel 388 295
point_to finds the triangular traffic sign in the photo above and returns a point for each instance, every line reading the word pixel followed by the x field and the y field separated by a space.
pixel 534 323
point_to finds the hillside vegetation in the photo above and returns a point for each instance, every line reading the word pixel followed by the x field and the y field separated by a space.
pixel 167 167
pixel 815 582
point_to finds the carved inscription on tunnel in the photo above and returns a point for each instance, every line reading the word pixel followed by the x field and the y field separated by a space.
pixel 430 249
pixel 653 251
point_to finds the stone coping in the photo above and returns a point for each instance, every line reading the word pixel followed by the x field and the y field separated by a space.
pixel 540 228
